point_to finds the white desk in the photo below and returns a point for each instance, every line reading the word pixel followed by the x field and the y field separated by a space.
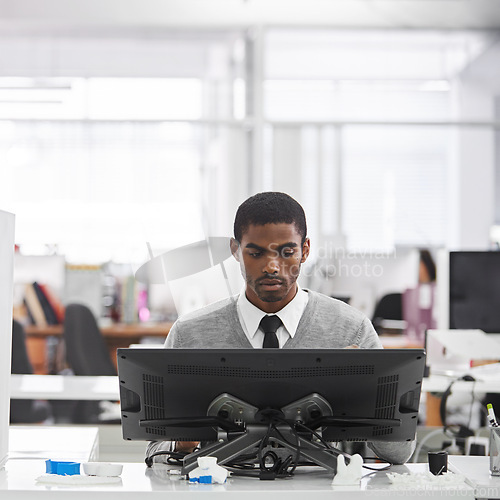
pixel 476 469
pixel 17 482
pixel 439 383
pixel 64 387
pixel 18 479
pixel 487 379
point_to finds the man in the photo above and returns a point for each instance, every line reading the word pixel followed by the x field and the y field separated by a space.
pixel 270 243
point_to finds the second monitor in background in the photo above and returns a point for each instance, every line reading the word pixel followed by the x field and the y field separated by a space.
pixel 474 293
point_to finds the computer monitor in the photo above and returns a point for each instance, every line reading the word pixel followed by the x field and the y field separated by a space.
pixel 194 394
pixel 474 291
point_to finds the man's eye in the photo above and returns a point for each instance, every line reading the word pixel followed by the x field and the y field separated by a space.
pixel 288 253
pixel 255 254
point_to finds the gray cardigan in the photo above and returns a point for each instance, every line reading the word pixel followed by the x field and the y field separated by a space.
pixel 325 324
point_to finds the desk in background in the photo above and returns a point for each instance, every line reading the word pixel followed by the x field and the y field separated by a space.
pixel 64 387
pixel 123 335
pixel 80 444
pixel 487 380
pixel 118 335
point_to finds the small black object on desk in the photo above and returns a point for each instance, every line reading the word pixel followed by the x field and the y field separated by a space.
pixel 438 462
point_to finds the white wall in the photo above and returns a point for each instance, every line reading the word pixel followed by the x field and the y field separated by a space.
pixel 473 172
pixel 472 186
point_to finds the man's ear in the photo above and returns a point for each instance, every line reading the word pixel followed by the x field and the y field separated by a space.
pixel 235 246
pixel 306 247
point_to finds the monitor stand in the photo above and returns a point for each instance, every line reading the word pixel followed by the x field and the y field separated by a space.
pixel 230 445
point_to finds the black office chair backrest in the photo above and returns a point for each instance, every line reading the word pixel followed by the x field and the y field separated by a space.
pixel 86 350
pixel 20 361
pixel 390 306
pixel 24 411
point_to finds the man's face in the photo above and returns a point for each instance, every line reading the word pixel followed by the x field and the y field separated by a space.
pixel 270 257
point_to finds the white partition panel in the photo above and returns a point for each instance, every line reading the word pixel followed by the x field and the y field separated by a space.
pixel 6 276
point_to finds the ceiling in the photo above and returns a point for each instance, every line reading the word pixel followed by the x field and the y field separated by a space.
pixel 22 15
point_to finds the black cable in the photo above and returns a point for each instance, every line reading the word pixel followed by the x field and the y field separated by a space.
pixel 444 399
pixel 244 460
pixel 374 471
pixel 330 448
pixel 175 455
pixel 280 468
pixel 297 443
pixel 262 444
pixel 325 443
pixel 473 399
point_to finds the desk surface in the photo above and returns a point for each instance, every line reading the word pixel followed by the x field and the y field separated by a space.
pixel 18 478
pixel 18 481
pixel 476 469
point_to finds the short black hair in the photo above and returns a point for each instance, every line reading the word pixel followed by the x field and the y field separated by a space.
pixel 270 207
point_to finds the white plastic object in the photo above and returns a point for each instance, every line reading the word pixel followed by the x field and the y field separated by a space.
pixel 425 479
pixel 348 475
pixel 208 472
pixel 102 469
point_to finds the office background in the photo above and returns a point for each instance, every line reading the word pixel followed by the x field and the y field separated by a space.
pixel 126 122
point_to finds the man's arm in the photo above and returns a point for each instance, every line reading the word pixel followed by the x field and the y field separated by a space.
pixel 367 337
pixel 172 342
pixel 394 452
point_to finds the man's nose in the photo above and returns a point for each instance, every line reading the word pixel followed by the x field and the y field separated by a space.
pixel 271 267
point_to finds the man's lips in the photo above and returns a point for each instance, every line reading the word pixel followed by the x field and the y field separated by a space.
pixel 270 284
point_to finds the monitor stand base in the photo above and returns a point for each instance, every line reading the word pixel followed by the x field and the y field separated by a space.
pixel 228 450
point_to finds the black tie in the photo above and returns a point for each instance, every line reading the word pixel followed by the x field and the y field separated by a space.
pixel 269 325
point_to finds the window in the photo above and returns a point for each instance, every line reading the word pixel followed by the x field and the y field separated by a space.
pixel 99 191
pixel 334 95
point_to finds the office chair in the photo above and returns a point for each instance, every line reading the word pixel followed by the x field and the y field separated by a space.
pixel 390 307
pixel 86 350
pixel 86 354
pixel 24 411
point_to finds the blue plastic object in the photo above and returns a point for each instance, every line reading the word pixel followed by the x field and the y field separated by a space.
pixel 201 479
pixel 62 468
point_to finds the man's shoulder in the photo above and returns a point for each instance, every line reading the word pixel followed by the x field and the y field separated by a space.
pixel 331 323
pixel 213 326
pixel 215 310
pixel 330 305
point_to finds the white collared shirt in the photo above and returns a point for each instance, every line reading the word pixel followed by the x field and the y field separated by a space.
pixel 250 317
